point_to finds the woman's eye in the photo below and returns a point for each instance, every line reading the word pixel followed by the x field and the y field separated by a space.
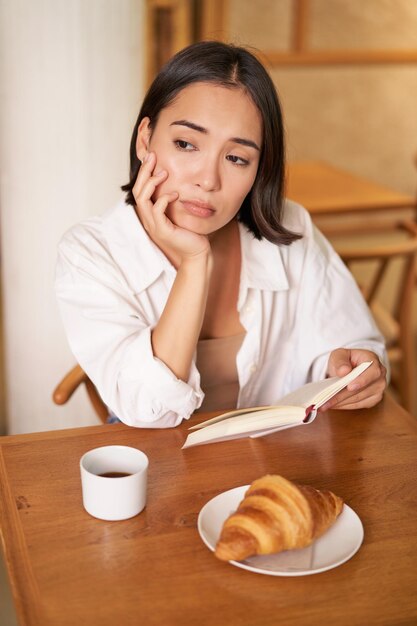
pixel 237 160
pixel 184 145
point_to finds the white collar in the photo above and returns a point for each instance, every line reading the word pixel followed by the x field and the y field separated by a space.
pixel 125 235
pixel 262 265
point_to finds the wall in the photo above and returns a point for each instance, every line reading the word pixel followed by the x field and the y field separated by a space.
pixel 71 82
pixel 359 117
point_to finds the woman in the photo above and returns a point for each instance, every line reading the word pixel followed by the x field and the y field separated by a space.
pixel 204 289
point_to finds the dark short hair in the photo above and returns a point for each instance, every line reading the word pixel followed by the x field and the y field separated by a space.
pixel 233 67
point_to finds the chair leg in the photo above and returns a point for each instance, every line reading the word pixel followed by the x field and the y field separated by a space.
pixel 99 406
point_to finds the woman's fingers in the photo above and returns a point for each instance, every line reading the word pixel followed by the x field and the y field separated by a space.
pixel 161 223
pixel 147 180
pixel 178 243
pixel 148 188
pixel 143 191
pixel 145 188
pixel 366 390
pixel 368 402
pixel 364 398
pixel 145 170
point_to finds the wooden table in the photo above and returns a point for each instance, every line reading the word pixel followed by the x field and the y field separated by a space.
pixel 68 568
pixel 327 190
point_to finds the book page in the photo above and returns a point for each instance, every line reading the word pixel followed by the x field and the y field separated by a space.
pixel 318 393
pixel 228 415
pixel 312 394
pixel 247 424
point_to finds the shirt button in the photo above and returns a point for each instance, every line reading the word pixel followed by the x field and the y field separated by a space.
pixel 253 368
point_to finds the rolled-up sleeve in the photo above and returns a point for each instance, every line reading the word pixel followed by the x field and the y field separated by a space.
pixel 110 336
pixel 146 382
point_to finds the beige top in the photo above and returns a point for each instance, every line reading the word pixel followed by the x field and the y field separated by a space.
pixel 216 362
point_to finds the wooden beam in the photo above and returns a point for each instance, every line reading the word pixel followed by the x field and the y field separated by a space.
pixel 301 14
pixel 214 19
pixel 174 18
pixel 340 57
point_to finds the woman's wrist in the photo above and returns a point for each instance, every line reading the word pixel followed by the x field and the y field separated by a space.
pixel 201 262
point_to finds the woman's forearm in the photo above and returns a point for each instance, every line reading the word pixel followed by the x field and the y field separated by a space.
pixel 175 337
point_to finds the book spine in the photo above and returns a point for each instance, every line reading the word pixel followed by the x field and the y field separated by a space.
pixel 310 414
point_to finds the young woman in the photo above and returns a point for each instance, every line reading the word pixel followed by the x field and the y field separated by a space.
pixel 204 288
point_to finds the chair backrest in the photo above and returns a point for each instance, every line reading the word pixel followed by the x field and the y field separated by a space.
pixel 71 381
pixel 385 272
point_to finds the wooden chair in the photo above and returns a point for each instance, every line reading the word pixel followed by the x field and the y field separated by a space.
pixel 371 264
pixel 71 381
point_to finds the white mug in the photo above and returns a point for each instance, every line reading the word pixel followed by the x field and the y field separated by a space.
pixel 114 482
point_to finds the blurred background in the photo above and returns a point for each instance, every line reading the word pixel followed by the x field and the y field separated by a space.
pixel 72 77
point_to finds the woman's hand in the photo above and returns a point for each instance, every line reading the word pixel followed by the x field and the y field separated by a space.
pixel 363 392
pixel 177 243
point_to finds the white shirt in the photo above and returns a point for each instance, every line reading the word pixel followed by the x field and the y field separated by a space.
pixel 297 303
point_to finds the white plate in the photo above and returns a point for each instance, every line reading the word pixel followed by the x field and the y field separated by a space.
pixel 336 546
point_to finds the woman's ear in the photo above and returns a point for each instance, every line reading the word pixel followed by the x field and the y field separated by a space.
pixel 143 138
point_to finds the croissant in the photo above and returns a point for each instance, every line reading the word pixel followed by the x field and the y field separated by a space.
pixel 276 515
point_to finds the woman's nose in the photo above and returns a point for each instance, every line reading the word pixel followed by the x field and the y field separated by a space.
pixel 208 177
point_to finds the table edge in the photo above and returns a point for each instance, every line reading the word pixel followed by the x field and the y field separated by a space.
pixel 25 591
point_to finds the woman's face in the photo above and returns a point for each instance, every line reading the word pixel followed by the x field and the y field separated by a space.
pixel 209 141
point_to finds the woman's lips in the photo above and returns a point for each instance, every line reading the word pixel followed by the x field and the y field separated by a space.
pixel 199 209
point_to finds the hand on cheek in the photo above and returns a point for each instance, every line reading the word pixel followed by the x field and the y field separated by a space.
pixel 152 201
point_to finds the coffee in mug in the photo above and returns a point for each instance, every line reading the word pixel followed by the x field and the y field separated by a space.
pixel 114 482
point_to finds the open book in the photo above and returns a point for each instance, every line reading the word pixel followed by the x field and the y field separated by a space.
pixel 298 407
